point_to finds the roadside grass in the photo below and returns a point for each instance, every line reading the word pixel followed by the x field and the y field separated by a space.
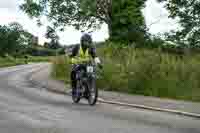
pixel 144 72
pixel 61 68
pixel 10 61
pixel 40 58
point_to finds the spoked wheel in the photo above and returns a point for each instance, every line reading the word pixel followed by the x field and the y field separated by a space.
pixel 76 93
pixel 93 93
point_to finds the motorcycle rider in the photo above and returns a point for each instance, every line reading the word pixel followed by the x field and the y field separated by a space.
pixel 82 53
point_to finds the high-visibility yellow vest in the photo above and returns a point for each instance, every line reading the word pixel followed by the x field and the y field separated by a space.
pixel 81 57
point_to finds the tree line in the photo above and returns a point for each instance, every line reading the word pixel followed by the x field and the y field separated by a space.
pixel 16 41
pixel 124 18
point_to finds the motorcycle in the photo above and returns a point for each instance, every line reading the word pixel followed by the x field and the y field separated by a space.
pixel 86 84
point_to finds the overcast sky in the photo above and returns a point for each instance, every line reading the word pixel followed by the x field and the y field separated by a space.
pixel 154 13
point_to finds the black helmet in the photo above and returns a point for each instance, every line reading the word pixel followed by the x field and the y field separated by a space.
pixel 86 40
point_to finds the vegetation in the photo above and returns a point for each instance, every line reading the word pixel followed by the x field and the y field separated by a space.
pixel 10 38
pixel 17 42
pixel 39 58
pixel 61 68
pixel 135 61
pixel 11 61
pixel 143 71
pixel 187 12
pixel 123 17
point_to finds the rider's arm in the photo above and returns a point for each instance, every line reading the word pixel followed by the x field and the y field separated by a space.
pixel 92 52
pixel 74 54
pixel 74 51
pixel 94 56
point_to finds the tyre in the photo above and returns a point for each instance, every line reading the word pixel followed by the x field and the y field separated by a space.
pixel 76 94
pixel 93 92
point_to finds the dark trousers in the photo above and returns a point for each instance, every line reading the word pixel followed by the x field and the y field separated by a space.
pixel 75 69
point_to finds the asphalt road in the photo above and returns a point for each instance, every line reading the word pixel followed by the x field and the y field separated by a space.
pixel 25 108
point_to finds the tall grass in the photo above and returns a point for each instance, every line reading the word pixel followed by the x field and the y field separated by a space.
pixel 61 68
pixel 145 72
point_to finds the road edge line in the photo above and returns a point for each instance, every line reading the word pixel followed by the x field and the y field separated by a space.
pixel 178 112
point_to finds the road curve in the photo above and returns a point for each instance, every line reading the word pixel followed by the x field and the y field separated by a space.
pixel 25 108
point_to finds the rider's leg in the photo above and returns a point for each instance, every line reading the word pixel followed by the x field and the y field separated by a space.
pixel 75 68
pixel 73 79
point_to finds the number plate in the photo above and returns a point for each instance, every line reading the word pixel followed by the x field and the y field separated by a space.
pixel 90 69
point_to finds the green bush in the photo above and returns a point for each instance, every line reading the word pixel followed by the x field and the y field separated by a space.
pixel 145 72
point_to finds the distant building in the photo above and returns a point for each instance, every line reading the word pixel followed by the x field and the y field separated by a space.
pixel 35 40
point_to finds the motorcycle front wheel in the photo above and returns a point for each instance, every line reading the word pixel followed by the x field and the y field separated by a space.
pixel 93 92
pixel 76 94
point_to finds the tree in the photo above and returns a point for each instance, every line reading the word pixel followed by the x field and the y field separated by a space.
pixel 3 39
pixel 14 39
pixel 89 14
pixel 27 38
pixel 15 26
pixel 10 38
pixel 128 22
pixel 17 34
pixel 46 45
pixel 51 34
pixel 188 12
pixel 54 44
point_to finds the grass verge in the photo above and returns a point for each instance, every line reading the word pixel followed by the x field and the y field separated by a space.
pixel 10 61
pixel 143 72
